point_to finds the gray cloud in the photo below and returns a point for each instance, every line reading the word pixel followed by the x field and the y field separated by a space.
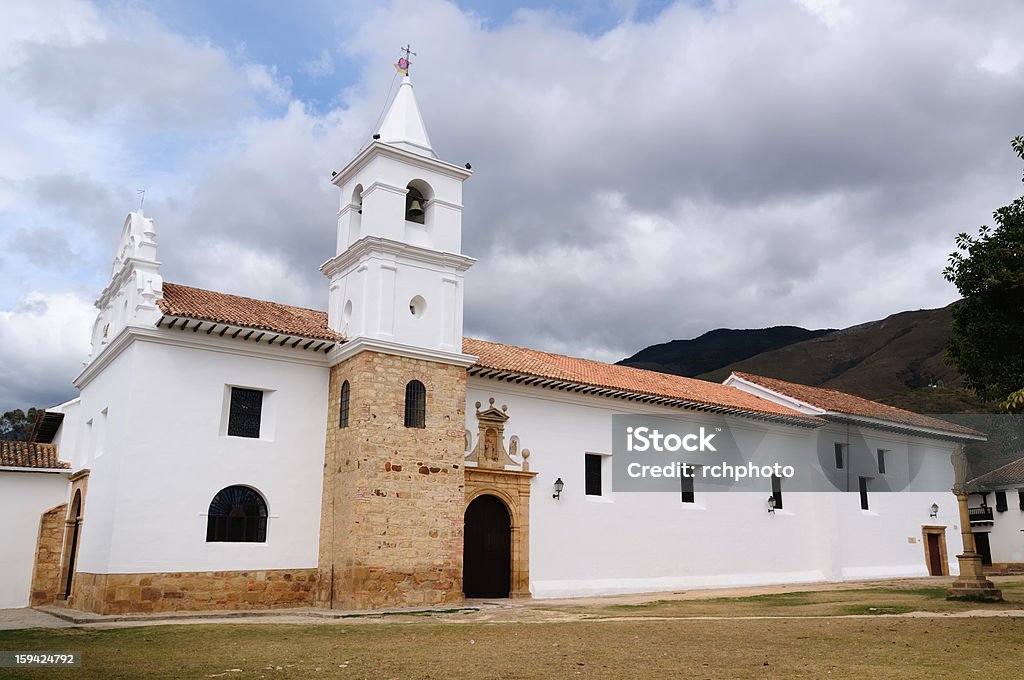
pixel 138 74
pixel 743 164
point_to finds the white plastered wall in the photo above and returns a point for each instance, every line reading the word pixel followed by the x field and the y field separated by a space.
pixel 24 496
pixel 635 542
pixel 166 456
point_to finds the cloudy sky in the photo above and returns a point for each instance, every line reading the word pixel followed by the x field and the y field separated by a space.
pixel 643 170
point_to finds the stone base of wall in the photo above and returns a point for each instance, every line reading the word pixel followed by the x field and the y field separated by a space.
pixel 46 572
pixel 1004 568
pixel 193 591
pixel 382 588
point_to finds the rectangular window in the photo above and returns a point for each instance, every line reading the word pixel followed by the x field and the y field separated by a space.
pixel 593 475
pixel 864 493
pixel 1000 501
pixel 1020 498
pixel 839 456
pixel 881 461
pixel 246 411
pixel 686 482
pixel 777 491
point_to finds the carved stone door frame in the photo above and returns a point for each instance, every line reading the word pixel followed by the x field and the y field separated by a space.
pixel 512 487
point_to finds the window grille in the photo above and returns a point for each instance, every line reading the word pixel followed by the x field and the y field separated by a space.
pixel 415 404
pixel 238 514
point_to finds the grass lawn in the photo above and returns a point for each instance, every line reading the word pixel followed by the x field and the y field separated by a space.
pixel 896 599
pixel 788 648
pixel 809 638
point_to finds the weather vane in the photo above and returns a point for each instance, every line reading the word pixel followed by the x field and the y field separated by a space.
pixel 142 197
pixel 403 63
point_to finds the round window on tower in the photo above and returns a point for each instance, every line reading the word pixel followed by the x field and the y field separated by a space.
pixel 417 306
pixel 346 314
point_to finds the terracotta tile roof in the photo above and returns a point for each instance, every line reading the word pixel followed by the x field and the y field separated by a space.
pixel 848 404
pixel 1011 473
pixel 560 367
pixel 30 455
pixel 207 305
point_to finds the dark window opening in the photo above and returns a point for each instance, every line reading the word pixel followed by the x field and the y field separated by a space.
pixel 415 404
pixel 864 493
pixel 777 491
pixel 244 416
pixel 1020 498
pixel 593 475
pixel 839 456
pixel 238 514
pixel 1001 501
pixel 881 461
pixel 343 409
pixel 686 482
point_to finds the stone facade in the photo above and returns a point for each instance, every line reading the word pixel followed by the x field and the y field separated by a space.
pixel 393 496
pixel 46 572
pixel 122 593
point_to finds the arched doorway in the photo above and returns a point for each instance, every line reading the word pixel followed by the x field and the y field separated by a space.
pixel 487 551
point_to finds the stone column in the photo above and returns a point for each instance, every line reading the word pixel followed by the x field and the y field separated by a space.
pixel 971 584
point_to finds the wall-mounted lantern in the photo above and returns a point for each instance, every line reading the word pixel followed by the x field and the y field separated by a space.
pixel 559 485
pixel 771 504
pixel 934 510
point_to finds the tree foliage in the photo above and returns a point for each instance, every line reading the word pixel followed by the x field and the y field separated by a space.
pixel 987 346
pixel 1014 403
pixel 17 424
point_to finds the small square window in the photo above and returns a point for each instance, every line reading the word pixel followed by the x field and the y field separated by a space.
pixel 686 482
pixel 592 473
pixel 246 412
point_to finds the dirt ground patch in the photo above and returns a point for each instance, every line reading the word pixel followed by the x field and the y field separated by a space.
pixel 789 648
pixel 897 629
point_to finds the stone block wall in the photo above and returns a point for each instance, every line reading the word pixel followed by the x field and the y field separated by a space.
pixel 394 497
pixel 227 590
pixel 46 572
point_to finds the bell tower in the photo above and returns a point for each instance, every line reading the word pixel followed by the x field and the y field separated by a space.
pixel 398 274
pixel 391 531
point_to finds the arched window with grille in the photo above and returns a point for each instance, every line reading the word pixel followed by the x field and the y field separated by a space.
pixel 415 404
pixel 237 514
pixel 343 408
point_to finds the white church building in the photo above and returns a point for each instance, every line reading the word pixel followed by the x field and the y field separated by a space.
pixel 231 453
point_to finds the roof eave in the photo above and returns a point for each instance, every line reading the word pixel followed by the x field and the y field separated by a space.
pixel 903 428
pixel 522 378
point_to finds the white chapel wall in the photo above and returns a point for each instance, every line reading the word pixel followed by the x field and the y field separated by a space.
pixel 633 542
pixel 166 457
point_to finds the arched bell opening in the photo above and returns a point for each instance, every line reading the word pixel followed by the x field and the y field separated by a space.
pixel 417 201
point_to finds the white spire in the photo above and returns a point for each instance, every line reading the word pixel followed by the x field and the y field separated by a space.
pixel 403 126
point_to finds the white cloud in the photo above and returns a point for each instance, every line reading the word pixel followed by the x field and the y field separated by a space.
pixel 734 164
pixel 45 340
pixel 321 67
pixel 266 82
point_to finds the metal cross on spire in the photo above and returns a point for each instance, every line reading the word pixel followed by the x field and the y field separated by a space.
pixel 403 62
